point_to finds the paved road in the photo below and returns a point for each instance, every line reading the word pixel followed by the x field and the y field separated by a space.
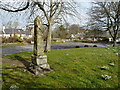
pixel 17 49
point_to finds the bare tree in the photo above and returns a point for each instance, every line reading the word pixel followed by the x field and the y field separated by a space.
pixel 107 15
pixel 60 32
pixel 9 24
pixel 50 12
pixel 16 24
pixel 74 29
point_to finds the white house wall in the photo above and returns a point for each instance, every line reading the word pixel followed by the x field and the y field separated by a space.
pixel 6 35
pixel 22 35
pixel 30 36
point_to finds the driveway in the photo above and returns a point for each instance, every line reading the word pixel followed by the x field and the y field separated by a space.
pixel 17 49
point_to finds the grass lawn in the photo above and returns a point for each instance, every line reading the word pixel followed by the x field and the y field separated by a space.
pixel 12 45
pixel 21 44
pixel 73 68
pixel 61 42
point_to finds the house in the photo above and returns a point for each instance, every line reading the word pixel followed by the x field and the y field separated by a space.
pixel 10 32
pixel 111 39
pixel 100 35
pixel 19 32
pixel 80 35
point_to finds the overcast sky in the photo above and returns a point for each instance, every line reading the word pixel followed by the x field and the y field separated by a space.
pixel 84 7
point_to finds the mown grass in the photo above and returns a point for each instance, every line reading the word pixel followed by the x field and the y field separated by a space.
pixel 73 68
pixel 21 44
pixel 61 42
pixel 12 45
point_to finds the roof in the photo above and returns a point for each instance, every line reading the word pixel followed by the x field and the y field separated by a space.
pixel 17 31
pixel 28 32
pixel 12 31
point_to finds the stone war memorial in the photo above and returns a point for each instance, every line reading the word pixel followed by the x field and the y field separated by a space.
pixel 39 60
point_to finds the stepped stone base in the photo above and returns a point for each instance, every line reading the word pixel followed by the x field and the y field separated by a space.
pixel 39 65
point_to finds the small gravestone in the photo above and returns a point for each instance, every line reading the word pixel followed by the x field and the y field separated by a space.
pixel 39 60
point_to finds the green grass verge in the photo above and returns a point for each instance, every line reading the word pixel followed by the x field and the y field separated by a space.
pixel 12 45
pixel 73 68
pixel 61 42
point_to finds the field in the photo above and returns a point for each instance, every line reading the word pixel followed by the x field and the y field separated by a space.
pixel 73 68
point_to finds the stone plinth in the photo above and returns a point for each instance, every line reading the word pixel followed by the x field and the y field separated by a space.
pixel 39 65
pixel 39 60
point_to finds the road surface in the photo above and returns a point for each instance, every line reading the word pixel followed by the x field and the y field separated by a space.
pixel 17 49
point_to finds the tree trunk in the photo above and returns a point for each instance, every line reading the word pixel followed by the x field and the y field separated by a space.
pixel 48 41
pixel 114 42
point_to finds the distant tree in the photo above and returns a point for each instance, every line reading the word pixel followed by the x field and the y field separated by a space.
pixel 60 32
pixel 94 33
pixel 16 24
pixel 74 29
pixel 12 24
pixel 107 15
pixel 54 32
pixel 27 27
pixel 67 25
pixel 45 30
pixel 9 24
pixel 81 29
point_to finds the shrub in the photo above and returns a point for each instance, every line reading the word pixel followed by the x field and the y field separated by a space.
pixel 9 40
pixel 19 39
pixel 75 40
pixel 54 40
pixel 86 46
pixel 105 39
pixel 77 46
pixel 94 45
pixel 79 38
pixel 3 39
pixel 15 35
pixel 99 39
pixel 29 40
pixel 63 41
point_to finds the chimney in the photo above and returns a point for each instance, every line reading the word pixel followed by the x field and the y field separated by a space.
pixel 22 28
pixel 27 28
pixel 3 28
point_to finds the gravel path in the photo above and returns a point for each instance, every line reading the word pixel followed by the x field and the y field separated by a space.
pixel 17 49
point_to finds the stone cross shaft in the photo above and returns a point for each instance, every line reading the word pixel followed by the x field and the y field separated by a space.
pixel 38 37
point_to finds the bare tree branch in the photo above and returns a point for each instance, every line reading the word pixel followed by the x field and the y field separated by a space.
pixel 9 10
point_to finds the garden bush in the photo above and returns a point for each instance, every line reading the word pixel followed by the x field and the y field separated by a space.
pixel 94 45
pixel 3 39
pixel 9 40
pixel 29 40
pixel 75 40
pixel 19 39
pixel 77 46
pixel 79 38
pixel 86 46
pixel 63 41
pixel 105 39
